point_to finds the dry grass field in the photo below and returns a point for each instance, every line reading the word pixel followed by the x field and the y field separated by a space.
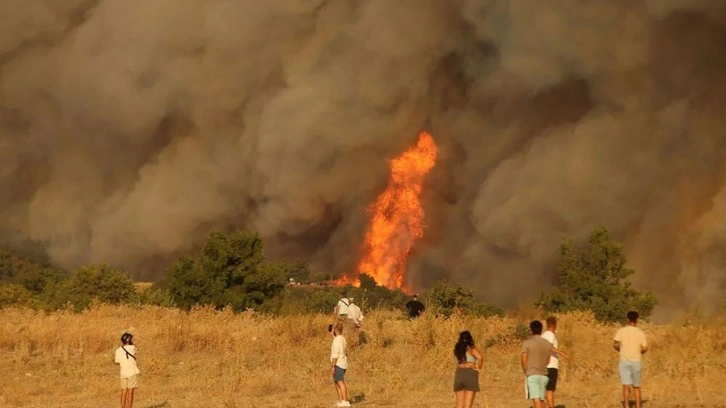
pixel 205 359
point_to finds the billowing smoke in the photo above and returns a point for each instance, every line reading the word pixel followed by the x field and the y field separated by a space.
pixel 129 129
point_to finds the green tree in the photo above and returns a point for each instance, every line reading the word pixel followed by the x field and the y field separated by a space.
pixel 298 270
pixel 102 282
pixel 445 299
pixel 35 274
pixel 594 277
pixel 230 269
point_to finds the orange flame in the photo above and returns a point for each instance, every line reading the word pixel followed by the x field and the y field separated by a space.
pixel 397 219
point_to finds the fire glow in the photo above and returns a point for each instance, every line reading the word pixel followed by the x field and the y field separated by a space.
pixel 397 218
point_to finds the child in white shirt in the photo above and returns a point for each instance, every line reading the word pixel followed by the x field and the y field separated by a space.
pixel 126 359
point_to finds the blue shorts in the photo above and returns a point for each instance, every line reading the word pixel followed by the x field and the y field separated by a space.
pixel 339 374
pixel 630 372
pixel 536 385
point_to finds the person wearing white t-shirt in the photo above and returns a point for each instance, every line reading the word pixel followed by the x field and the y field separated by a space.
pixel 554 364
pixel 631 344
pixel 341 309
pixel 339 364
pixel 355 317
pixel 354 313
pixel 129 370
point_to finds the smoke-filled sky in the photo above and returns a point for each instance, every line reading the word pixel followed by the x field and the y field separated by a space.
pixel 131 128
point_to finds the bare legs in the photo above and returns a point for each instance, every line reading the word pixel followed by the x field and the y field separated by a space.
pixel 342 390
pixel 460 399
pixel 469 398
pixel 626 396
pixel 127 397
pixel 465 399
pixel 550 398
pixel 130 397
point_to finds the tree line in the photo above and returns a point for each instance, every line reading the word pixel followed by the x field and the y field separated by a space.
pixel 230 269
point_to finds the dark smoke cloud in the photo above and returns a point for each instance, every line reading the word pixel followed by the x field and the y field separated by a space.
pixel 129 129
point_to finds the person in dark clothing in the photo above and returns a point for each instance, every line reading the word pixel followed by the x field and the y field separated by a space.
pixel 415 307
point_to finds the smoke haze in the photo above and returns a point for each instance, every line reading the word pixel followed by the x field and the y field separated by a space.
pixel 130 128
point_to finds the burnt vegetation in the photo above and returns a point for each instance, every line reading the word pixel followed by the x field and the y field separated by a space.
pixel 231 270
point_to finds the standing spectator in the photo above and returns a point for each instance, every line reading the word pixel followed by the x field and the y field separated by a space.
pixel 535 356
pixel 126 359
pixel 554 363
pixel 341 308
pixel 339 364
pixel 354 312
pixel 631 343
pixel 355 317
pixel 415 307
pixel 469 362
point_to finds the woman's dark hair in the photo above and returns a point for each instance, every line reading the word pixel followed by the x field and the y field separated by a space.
pixel 465 341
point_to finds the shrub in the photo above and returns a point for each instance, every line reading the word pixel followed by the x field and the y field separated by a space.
pixel 322 299
pixel 446 299
pixel 514 335
pixel 593 277
pixel 155 297
pixel 101 282
pixel 13 294
pixel 230 269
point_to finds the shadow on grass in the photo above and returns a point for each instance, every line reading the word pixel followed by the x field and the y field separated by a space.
pixel 164 404
pixel 631 403
pixel 358 399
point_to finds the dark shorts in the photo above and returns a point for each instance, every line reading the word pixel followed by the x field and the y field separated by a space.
pixel 552 376
pixel 339 374
pixel 466 379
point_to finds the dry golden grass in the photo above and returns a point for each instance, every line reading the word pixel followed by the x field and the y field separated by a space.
pixel 205 359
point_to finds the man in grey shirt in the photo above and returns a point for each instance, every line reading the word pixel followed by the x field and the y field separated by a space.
pixel 535 356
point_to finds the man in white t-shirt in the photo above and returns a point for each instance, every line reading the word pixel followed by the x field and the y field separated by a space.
pixel 553 365
pixel 126 359
pixel 339 364
pixel 341 308
pixel 355 317
pixel 631 344
pixel 354 313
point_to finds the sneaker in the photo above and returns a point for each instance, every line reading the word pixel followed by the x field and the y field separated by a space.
pixel 344 404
